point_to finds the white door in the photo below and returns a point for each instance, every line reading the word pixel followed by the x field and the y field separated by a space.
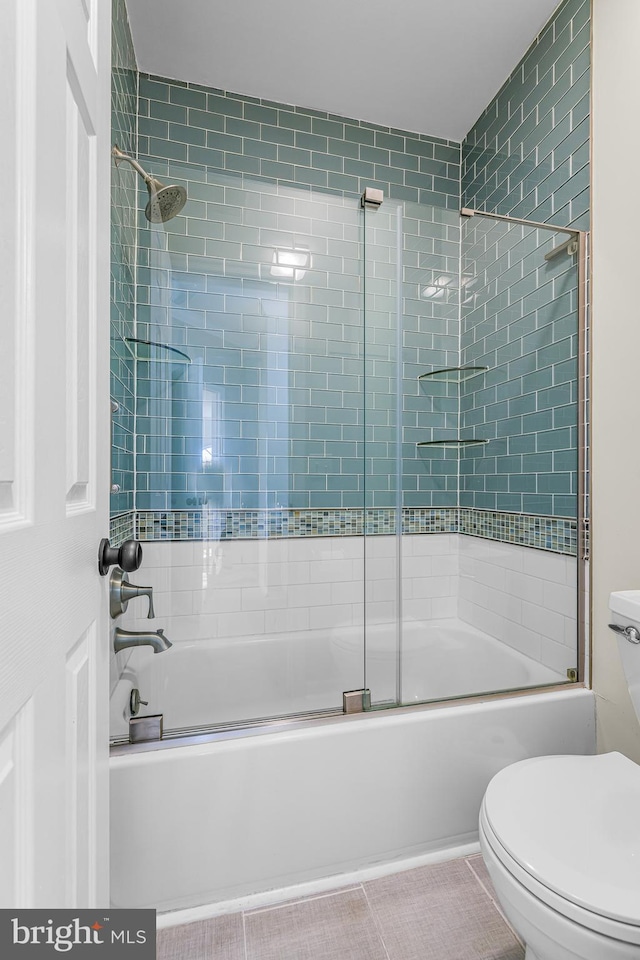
pixel 54 433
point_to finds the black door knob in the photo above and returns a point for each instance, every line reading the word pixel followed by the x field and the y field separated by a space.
pixel 128 556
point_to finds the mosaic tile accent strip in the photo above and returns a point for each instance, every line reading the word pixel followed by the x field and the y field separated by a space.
pixel 212 524
pixel 416 520
pixel 121 528
pixel 254 524
pixel 543 533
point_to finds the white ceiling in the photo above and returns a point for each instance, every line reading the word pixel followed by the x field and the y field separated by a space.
pixel 429 66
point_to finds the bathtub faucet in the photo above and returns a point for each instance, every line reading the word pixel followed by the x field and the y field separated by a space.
pixel 130 638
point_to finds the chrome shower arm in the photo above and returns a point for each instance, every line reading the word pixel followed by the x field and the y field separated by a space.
pixel 164 202
pixel 119 156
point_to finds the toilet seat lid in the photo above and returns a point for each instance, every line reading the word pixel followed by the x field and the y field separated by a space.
pixel 573 823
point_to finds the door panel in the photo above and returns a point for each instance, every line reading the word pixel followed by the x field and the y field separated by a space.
pixel 80 190
pixel 17 74
pixel 82 748
pixel 54 452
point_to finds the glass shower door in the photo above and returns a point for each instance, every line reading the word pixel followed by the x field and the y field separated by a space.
pixel 251 444
pixel 471 447
pixel 521 569
pixel 411 254
pixel 382 475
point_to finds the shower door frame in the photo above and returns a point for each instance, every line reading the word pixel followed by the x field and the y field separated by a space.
pixel 582 546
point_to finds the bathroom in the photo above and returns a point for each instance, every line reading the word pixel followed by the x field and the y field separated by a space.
pixel 350 436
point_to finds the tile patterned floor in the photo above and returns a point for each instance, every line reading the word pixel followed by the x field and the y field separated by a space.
pixel 446 911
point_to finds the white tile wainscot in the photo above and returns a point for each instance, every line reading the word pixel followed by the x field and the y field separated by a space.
pixel 524 597
pixel 204 590
pixel 430 586
pixel 222 590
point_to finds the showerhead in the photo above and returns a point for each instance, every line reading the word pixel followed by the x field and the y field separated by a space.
pixel 164 202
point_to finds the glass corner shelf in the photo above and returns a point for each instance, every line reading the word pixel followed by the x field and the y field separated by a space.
pixel 143 350
pixel 453 374
pixel 456 442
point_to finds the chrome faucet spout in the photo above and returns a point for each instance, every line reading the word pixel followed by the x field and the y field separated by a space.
pixel 130 638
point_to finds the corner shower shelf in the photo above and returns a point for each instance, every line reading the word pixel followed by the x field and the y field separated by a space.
pixel 142 351
pixel 456 442
pixel 453 374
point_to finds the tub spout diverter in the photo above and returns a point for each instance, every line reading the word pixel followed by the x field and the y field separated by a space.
pixel 130 638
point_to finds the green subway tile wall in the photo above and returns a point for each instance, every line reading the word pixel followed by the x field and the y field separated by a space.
pixel 262 382
pixel 293 146
pixel 124 92
pixel 285 380
pixel 269 382
pixel 527 156
pixel 411 263
pixel 519 319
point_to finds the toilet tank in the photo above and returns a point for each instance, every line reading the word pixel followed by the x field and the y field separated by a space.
pixel 625 620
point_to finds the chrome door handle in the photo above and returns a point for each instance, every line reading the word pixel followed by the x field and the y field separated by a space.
pixel 631 633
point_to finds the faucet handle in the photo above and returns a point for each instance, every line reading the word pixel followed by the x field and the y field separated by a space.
pixel 129 591
pixel 121 591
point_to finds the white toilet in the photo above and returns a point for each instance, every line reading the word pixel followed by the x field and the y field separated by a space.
pixel 561 839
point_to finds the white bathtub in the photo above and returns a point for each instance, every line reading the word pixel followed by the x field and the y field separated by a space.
pixel 211 682
pixel 222 819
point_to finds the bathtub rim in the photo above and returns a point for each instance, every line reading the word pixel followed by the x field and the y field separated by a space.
pixel 122 751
